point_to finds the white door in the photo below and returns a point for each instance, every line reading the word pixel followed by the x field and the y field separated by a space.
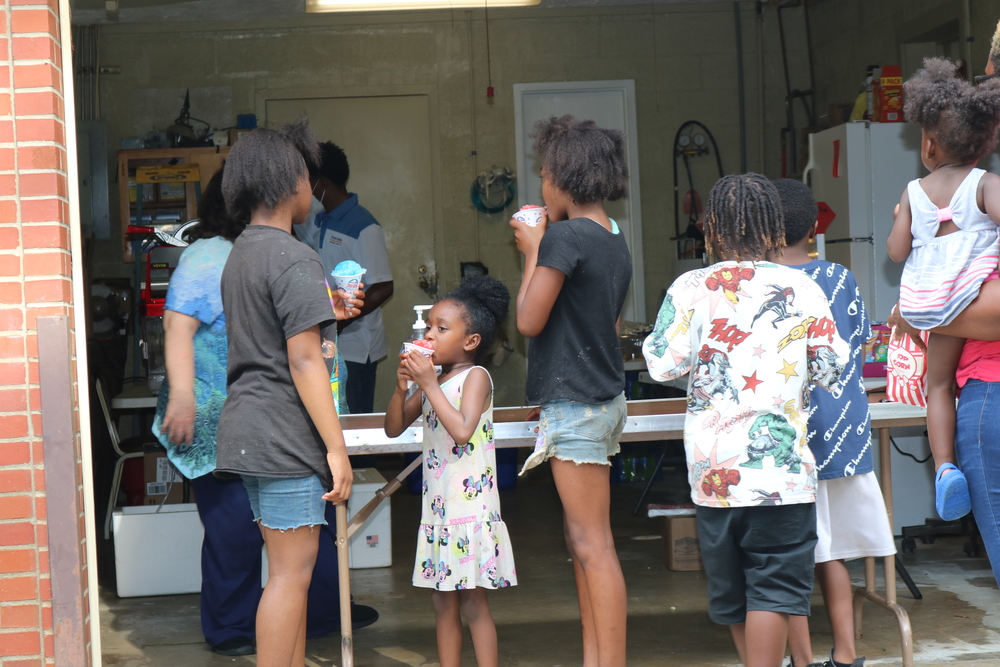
pixel 610 104
pixel 388 144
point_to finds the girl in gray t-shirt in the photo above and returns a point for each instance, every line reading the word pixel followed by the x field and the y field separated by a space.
pixel 278 428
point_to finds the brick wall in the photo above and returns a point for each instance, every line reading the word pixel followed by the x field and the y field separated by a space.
pixel 35 281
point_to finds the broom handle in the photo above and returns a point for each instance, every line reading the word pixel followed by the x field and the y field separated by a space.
pixel 344 572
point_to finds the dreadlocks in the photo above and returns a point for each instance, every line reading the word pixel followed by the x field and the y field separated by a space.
pixel 743 218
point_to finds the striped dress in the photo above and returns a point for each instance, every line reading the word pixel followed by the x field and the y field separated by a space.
pixel 943 273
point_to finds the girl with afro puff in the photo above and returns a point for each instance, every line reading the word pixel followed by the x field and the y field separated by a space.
pixel 945 229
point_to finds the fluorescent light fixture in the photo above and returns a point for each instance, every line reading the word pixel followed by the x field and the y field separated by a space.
pixel 317 6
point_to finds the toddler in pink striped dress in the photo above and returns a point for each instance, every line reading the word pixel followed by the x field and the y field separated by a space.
pixel 945 229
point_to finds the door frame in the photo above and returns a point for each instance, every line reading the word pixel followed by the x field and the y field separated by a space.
pixel 633 235
pixel 265 95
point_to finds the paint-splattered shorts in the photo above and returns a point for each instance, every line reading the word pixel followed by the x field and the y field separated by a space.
pixel 579 432
pixel 285 503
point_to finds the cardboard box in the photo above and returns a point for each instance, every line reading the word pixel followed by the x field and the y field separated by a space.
pixel 887 95
pixel 159 472
pixel 680 544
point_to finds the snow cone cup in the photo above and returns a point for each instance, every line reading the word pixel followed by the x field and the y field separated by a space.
pixel 530 215
pixel 349 284
pixel 420 349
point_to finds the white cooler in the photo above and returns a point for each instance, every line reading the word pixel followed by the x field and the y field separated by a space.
pixel 158 553
pixel 371 545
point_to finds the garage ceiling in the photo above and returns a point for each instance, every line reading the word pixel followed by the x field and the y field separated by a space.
pixel 87 12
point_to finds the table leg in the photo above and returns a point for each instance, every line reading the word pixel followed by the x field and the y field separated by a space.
pixel 343 563
pixel 869 592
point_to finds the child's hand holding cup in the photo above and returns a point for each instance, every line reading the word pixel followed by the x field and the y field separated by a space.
pixel 529 226
pixel 347 275
pixel 530 214
pixel 423 348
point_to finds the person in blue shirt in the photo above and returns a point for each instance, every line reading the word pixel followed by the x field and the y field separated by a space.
pixel 340 229
pixel 187 415
pixel 851 520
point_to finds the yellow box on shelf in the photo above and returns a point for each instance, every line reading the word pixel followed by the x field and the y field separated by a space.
pixel 166 173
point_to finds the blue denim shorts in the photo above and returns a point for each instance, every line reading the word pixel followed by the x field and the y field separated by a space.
pixel 581 432
pixel 286 503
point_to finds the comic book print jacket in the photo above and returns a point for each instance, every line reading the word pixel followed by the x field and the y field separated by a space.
pixel 753 337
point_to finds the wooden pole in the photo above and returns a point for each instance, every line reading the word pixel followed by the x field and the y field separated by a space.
pixel 344 565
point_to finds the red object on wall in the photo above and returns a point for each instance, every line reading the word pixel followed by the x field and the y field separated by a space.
pixel 836 158
pixel 824 217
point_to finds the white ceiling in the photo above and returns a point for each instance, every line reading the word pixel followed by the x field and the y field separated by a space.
pixel 87 12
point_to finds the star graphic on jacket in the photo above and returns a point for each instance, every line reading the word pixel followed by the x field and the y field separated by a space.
pixel 788 370
pixel 758 351
pixel 751 382
pixel 790 485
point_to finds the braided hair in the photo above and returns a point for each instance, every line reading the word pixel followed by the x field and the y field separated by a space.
pixel 963 117
pixel 484 301
pixel 744 218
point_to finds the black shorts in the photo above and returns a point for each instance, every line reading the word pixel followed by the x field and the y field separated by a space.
pixel 757 559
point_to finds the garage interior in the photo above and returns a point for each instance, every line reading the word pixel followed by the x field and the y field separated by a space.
pixel 431 102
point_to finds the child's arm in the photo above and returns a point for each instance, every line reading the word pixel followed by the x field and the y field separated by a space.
pixel 900 240
pixel 460 423
pixel 989 196
pixel 178 422
pixel 312 382
pixel 402 411
pixel 540 285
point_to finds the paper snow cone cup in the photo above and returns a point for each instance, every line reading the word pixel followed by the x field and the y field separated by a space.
pixel 426 351
pixel 349 284
pixel 530 215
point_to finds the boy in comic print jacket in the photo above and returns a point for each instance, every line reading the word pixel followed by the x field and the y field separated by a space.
pixel 751 362
pixel 753 335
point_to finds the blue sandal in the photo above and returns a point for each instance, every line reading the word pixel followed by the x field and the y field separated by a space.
pixel 951 493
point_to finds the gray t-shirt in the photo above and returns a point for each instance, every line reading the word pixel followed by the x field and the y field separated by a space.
pixel 272 289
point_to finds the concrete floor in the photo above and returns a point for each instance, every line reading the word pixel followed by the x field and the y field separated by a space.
pixel 957 623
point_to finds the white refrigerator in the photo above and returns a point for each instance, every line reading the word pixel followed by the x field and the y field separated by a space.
pixel 859 170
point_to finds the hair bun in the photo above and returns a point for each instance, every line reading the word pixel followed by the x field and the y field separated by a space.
pixel 490 292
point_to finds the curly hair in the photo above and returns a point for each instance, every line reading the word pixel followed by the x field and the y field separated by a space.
pixel 963 117
pixel 581 159
pixel 484 301
pixel 333 164
pixel 799 208
pixel 264 168
pixel 995 49
pixel 743 218
pixel 213 219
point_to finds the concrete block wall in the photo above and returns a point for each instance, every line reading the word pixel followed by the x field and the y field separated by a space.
pixel 35 281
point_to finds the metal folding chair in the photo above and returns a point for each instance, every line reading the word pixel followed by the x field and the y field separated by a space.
pixel 119 463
